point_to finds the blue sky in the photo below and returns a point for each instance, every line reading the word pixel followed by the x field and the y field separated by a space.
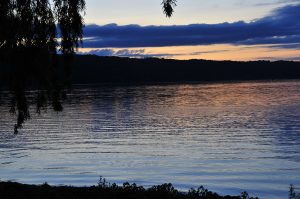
pixel 215 29
pixel 149 12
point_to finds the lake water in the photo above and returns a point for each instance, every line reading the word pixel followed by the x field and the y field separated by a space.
pixel 228 137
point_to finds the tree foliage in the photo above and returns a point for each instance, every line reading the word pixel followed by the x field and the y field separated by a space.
pixel 168 7
pixel 29 43
pixel 31 34
pixel 31 24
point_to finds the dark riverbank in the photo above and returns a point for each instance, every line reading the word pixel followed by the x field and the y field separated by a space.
pixel 12 190
pixel 95 69
pixel 91 69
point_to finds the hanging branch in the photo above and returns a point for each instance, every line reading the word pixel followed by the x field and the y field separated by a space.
pixel 168 7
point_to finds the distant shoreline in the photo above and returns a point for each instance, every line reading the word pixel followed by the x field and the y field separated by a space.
pixel 89 69
pixel 183 83
pixel 99 85
pixel 92 69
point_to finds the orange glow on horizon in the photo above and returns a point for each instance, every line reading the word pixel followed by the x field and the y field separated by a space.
pixel 216 52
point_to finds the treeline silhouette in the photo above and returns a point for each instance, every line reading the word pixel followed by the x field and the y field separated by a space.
pixel 94 69
pixel 11 190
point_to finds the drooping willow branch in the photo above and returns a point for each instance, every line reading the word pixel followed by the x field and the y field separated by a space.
pixel 29 43
pixel 168 7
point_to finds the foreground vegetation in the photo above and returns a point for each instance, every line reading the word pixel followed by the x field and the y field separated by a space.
pixel 12 190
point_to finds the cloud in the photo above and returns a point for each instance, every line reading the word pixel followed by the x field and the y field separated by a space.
pixel 282 26
pixel 295 46
pixel 207 52
pixel 279 58
pixel 142 53
pixel 278 2
pixel 139 53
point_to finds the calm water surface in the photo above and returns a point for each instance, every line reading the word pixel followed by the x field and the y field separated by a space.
pixel 228 137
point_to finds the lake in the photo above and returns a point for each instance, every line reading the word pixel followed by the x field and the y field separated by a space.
pixel 229 137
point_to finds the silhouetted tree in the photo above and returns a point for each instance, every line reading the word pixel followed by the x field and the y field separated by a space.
pixel 29 45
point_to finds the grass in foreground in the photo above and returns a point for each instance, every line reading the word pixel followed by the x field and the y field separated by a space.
pixel 12 190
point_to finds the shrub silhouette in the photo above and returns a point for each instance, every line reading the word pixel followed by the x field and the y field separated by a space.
pixel 167 191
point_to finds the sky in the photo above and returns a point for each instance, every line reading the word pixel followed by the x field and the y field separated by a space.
pixel 214 29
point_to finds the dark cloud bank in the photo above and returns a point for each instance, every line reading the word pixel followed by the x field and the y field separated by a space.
pixel 281 27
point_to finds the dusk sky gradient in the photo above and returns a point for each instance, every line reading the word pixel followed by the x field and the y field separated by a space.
pixel 215 29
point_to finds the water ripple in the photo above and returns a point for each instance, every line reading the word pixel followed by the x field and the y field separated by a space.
pixel 229 137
